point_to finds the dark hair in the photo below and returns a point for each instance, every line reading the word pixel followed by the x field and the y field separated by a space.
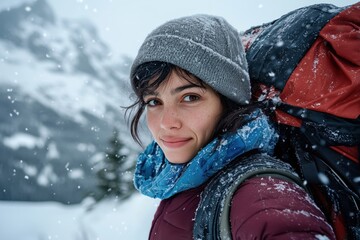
pixel 234 115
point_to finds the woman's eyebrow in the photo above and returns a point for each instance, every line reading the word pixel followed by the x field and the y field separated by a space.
pixel 174 91
pixel 182 88
pixel 152 93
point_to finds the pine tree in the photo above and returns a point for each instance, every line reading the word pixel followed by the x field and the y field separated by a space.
pixel 115 174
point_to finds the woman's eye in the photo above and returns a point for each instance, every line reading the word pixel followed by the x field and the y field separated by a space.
pixel 191 98
pixel 152 102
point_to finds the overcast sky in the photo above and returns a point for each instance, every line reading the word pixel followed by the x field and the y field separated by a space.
pixel 124 24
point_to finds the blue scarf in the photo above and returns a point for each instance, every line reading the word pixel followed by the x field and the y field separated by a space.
pixel 156 177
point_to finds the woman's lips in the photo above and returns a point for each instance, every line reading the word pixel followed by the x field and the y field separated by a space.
pixel 175 142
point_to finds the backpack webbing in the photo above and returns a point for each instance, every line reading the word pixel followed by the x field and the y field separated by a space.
pixel 331 178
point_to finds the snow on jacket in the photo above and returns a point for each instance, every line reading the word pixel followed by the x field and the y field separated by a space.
pixel 262 208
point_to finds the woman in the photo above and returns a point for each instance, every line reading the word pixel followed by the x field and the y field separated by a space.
pixel 190 77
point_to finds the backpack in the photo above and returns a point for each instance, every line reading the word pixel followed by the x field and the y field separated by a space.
pixel 213 212
pixel 307 63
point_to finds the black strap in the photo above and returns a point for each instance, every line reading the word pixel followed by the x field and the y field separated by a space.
pixel 328 174
pixel 330 129
pixel 317 133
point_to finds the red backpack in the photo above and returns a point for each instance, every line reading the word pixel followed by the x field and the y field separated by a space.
pixel 307 63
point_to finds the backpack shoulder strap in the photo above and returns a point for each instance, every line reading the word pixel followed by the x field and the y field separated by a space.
pixel 212 215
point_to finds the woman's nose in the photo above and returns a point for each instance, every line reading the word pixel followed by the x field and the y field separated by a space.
pixel 170 118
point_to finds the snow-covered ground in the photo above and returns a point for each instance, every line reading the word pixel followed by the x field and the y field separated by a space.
pixel 108 220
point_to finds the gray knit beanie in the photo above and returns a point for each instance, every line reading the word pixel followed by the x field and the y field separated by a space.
pixel 206 46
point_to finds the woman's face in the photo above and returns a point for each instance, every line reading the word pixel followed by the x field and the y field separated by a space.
pixel 182 117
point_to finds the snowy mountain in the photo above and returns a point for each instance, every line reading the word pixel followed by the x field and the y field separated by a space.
pixel 61 93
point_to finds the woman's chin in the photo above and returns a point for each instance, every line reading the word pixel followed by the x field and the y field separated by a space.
pixel 179 158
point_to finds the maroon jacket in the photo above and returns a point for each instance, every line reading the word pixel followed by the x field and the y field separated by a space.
pixel 262 208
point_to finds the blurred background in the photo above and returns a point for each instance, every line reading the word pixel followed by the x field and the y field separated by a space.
pixel 66 155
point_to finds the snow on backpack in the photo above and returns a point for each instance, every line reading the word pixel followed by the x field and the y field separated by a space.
pixel 308 64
